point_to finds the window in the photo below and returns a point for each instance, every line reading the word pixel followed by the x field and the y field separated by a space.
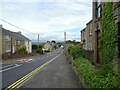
pixel 8 48
pixel 82 35
pixel 98 3
pixel 98 8
pixel 18 42
pixel 7 37
pixel 98 12
pixel 90 32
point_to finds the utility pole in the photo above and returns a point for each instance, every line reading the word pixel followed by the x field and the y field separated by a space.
pixel 64 43
pixel 64 37
pixel 38 40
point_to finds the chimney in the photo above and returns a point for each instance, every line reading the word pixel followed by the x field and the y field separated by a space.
pixel 19 32
pixel 1 25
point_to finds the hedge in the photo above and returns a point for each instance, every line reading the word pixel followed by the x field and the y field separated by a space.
pixel 91 76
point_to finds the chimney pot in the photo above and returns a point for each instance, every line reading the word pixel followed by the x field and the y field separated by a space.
pixel 19 32
pixel 1 25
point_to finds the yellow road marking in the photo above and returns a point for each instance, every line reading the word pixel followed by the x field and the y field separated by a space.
pixel 20 81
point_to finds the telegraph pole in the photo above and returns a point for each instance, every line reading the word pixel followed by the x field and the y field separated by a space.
pixel 38 40
pixel 64 37
pixel 64 43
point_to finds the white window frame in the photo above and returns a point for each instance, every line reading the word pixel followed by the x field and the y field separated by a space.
pixel 7 37
pixel 6 49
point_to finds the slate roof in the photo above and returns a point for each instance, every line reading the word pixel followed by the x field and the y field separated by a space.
pixel 17 35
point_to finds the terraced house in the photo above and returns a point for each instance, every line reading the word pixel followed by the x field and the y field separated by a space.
pixel 90 35
pixel 10 42
pixel 87 36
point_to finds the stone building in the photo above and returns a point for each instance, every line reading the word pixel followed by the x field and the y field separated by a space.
pixel 10 42
pixel 87 36
pixel 93 37
pixel 97 9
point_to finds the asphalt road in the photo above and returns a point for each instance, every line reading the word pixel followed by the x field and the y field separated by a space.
pixel 13 72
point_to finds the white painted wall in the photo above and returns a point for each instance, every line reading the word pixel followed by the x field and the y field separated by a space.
pixel 47 46
pixel 28 45
pixel 13 49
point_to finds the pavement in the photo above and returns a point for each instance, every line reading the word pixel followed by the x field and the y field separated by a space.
pixel 58 74
pixel 18 60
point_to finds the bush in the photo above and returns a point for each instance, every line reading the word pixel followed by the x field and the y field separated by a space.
pixel 40 45
pixel 92 77
pixel 22 50
pixel 76 51
pixel 34 46
pixel 39 51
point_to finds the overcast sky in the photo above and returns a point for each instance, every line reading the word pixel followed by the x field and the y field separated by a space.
pixel 49 18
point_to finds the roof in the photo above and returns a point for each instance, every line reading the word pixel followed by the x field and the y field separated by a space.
pixel 89 22
pixel 83 30
pixel 17 35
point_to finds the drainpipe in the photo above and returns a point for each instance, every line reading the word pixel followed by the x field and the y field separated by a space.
pixel 96 34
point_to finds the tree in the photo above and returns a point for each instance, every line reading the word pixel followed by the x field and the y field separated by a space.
pixel 53 41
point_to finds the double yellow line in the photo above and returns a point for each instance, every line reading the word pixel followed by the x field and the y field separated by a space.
pixel 20 81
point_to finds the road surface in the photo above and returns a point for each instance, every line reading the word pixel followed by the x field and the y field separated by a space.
pixel 13 72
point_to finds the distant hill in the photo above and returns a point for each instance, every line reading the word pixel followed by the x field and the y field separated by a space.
pixel 37 42
pixel 41 42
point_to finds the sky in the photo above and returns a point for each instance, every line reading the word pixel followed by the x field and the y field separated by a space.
pixel 48 18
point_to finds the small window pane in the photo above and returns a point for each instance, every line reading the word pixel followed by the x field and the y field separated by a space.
pixel 98 12
pixel 8 48
pixel 7 37
pixel 98 3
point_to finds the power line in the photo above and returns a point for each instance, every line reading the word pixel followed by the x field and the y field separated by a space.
pixel 83 3
pixel 29 31
pixel 17 26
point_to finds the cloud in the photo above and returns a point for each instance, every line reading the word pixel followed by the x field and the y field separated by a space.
pixel 44 0
pixel 46 16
